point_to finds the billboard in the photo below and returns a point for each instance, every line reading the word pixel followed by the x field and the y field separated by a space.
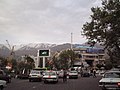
pixel 44 53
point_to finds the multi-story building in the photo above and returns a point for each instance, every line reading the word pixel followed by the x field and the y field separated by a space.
pixel 90 55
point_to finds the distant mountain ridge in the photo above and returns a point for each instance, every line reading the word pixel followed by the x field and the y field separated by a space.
pixel 33 45
pixel 32 48
pixel 4 50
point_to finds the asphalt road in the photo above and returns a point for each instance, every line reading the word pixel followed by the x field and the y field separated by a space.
pixel 72 84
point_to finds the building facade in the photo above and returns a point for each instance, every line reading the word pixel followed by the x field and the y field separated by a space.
pixel 91 55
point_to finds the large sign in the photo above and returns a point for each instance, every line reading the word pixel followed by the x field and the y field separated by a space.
pixel 44 53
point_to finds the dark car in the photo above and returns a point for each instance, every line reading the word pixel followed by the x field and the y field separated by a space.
pixel 86 74
pixel 23 76
pixel 4 76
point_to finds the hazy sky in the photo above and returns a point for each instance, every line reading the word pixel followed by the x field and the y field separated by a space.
pixel 44 21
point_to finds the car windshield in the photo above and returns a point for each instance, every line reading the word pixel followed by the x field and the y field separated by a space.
pixel 35 72
pixel 50 73
pixel 112 75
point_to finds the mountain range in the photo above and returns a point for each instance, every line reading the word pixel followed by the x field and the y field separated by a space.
pixel 32 48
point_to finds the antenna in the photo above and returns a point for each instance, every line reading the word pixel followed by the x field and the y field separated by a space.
pixel 71 41
pixel 9 45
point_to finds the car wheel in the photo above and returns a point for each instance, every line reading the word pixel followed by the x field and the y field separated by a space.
pixel 29 80
pixel 45 82
pixel 104 88
pixel 56 81
pixel 1 87
pixel 40 80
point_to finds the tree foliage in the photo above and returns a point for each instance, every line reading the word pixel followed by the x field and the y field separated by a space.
pixel 65 59
pixel 104 27
pixel 3 62
pixel 27 64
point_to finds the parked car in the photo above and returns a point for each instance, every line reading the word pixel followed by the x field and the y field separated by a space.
pixel 110 80
pixel 100 72
pixel 4 76
pixel 50 76
pixel 3 84
pixel 22 76
pixel 35 75
pixel 73 74
pixel 86 74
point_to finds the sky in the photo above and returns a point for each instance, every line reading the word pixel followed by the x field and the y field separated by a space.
pixel 44 21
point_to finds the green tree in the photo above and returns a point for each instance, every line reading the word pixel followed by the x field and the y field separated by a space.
pixel 27 64
pixel 104 27
pixel 30 64
pixel 3 62
pixel 56 62
pixel 14 65
pixel 65 59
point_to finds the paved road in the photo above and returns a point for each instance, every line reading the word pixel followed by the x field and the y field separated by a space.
pixel 72 84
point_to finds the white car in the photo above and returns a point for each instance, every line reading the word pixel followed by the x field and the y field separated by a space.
pixel 35 75
pixel 50 76
pixel 73 74
pixel 3 84
pixel 110 80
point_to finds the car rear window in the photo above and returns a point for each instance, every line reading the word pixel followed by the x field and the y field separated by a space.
pixel 50 73
pixel 35 72
pixel 112 75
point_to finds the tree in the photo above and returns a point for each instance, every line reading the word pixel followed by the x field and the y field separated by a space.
pixel 3 62
pixel 65 59
pixel 26 65
pixel 104 27
pixel 56 62
pixel 30 62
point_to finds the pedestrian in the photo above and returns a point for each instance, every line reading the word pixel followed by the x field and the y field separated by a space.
pixel 94 73
pixel 81 72
pixel 64 75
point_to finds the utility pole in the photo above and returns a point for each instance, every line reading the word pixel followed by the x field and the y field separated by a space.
pixel 71 48
pixel 71 41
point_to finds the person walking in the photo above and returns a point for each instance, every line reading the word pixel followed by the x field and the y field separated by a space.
pixel 94 73
pixel 81 72
pixel 64 75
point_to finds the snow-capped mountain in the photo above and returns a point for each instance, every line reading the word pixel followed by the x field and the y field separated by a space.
pixel 34 46
pixel 4 51
pixel 23 49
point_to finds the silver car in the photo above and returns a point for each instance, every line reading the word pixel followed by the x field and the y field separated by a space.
pixel 50 76
pixel 35 75
pixel 110 80
pixel 73 74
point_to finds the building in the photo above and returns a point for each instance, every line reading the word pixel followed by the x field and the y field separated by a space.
pixel 91 55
